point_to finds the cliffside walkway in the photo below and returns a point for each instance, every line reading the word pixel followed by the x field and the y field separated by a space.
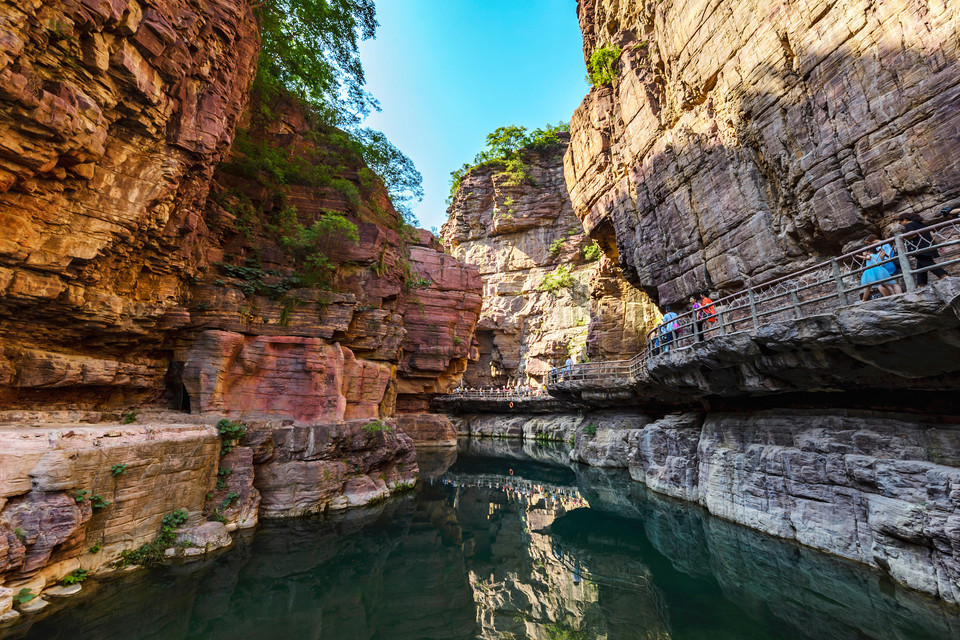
pixel 815 290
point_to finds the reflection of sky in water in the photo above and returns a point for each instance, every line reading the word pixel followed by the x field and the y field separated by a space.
pixel 525 547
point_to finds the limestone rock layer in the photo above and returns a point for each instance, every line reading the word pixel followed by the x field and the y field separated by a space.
pixel 742 140
pixel 520 236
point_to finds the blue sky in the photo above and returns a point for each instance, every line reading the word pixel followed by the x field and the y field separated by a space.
pixel 447 72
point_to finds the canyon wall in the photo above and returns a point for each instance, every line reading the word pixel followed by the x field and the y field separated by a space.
pixel 520 235
pixel 876 488
pixel 113 116
pixel 742 140
pixel 149 260
pixel 172 243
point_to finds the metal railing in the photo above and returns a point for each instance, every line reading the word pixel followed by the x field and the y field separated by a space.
pixel 496 394
pixel 812 291
pixel 590 371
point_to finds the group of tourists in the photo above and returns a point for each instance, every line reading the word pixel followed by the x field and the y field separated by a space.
pixel 704 314
pixel 882 264
pixel 881 269
pixel 518 390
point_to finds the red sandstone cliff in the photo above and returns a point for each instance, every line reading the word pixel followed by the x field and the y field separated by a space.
pixel 390 322
pixel 113 118
pixel 744 139
pixel 119 281
pixel 149 260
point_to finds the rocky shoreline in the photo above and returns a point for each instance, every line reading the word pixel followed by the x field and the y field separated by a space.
pixel 79 496
pixel 879 488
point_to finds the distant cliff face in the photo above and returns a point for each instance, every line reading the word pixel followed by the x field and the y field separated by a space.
pixel 744 139
pixel 522 237
pixel 122 283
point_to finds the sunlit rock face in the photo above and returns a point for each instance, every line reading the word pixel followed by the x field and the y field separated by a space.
pixel 76 495
pixel 49 474
pixel 113 116
pixel 518 235
pixel 746 139
pixel 121 200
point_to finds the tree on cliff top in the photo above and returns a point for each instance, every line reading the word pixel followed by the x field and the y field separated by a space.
pixel 504 147
pixel 309 49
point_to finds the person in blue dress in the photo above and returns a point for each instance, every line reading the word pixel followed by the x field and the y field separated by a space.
pixel 877 274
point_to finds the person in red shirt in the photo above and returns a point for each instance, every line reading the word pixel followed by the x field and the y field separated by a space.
pixel 704 312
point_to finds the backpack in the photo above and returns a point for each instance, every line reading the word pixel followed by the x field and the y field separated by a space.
pixel 892 267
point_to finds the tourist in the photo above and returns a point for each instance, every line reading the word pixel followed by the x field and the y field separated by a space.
pixel 922 244
pixel 891 264
pixel 875 272
pixel 704 313
pixel 668 327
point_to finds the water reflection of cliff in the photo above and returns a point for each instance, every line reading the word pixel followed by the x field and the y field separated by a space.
pixel 747 580
pixel 392 572
pixel 505 547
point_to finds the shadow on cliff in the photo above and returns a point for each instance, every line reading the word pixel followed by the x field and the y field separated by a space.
pixel 784 165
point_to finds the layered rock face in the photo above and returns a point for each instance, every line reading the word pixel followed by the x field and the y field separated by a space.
pixel 519 236
pixel 875 488
pixel 743 140
pixel 146 262
pixel 76 495
pixel 113 116
pixel 122 283
pixel 806 593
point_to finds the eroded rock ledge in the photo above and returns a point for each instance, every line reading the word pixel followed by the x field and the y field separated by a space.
pixel 907 343
pixel 51 474
pixel 878 488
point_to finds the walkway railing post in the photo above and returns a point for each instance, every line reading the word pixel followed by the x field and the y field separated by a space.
pixel 795 299
pixel 838 278
pixel 908 281
pixel 753 307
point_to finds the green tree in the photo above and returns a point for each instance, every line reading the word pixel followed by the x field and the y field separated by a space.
pixel 505 147
pixel 505 141
pixel 309 48
pixel 600 69
pixel 403 182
